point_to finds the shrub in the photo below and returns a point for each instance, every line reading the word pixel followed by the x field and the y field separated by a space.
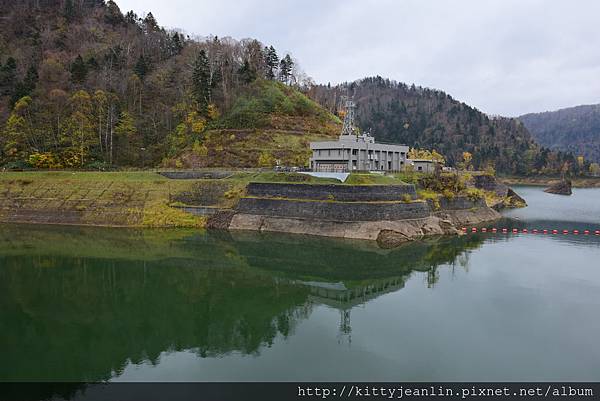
pixel 265 159
pixel 199 149
pixel 474 194
pixel 431 196
pixel 16 165
pixel 448 194
pixel 100 166
pixel 44 160
pixel 234 193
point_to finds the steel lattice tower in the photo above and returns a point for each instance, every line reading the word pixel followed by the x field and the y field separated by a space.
pixel 349 128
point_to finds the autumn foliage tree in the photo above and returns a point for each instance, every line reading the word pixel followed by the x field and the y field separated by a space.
pixel 82 84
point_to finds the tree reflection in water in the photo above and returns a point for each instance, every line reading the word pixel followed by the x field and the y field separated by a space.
pixel 84 302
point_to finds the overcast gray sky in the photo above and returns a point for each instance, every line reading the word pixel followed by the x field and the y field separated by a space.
pixel 505 57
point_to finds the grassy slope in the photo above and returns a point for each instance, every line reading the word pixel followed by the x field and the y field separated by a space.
pixel 271 119
pixel 111 199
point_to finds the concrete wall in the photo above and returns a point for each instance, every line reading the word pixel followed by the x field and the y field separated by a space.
pixel 195 175
pixel 460 203
pixel 333 211
pixel 343 193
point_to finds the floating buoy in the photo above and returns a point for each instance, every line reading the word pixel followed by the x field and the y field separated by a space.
pixel 527 231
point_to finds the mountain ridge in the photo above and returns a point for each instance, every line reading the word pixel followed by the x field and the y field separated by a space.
pixel 574 129
pixel 427 118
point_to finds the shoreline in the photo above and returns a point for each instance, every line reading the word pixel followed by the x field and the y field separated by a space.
pixel 577 182
pixel 383 209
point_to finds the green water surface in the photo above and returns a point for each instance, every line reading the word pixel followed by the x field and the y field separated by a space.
pixel 95 304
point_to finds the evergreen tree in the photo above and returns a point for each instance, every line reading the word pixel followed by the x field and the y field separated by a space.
pixel 285 68
pixel 78 70
pixel 201 84
pixel 131 18
pixel 25 87
pixel 247 73
pixel 150 24
pixel 92 64
pixel 176 44
pixel 113 13
pixel 69 11
pixel 8 74
pixel 142 67
pixel 271 62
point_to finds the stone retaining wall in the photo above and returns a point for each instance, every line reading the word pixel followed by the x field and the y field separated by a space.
pixel 460 203
pixel 343 193
pixel 333 211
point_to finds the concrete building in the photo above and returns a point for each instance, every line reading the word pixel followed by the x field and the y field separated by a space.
pixel 423 165
pixel 357 153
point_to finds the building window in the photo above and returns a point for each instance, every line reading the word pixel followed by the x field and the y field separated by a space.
pixel 328 152
pixel 420 168
pixel 354 151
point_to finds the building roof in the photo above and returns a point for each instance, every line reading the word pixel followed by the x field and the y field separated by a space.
pixel 422 160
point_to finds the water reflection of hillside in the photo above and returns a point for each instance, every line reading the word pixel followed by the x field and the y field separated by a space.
pixel 84 302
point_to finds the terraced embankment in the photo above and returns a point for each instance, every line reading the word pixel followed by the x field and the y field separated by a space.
pixel 105 199
pixel 388 214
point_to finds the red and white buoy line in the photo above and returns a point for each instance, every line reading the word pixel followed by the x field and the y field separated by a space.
pixel 526 231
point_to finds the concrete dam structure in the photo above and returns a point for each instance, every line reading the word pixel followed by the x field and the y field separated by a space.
pixel 388 214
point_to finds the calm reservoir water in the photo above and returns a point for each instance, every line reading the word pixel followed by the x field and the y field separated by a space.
pixel 92 304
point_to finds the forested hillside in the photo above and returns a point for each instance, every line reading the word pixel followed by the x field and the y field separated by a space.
pixel 575 129
pixel 426 118
pixel 83 84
